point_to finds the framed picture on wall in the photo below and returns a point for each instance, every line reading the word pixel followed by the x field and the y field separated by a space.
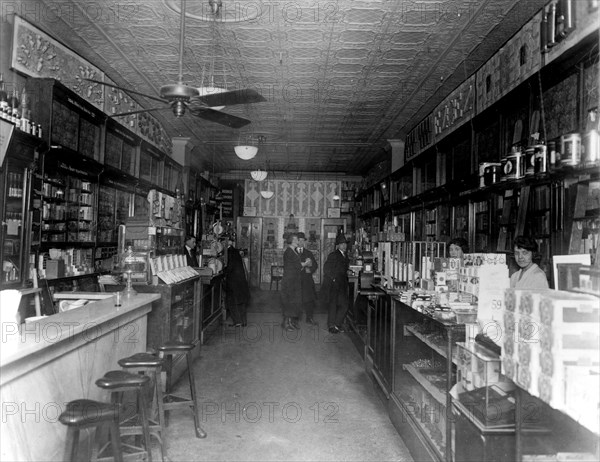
pixel 333 212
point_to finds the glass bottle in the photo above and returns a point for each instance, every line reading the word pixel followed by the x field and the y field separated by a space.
pixel 3 98
pixel 130 265
pixel 13 102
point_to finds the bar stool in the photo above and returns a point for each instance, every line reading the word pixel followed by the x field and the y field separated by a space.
pixel 118 382
pixel 171 401
pixel 150 364
pixel 85 413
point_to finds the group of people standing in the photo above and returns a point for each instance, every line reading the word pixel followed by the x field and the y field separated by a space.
pixel 298 293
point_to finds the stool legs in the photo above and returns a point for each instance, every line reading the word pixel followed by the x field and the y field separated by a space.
pixel 119 382
pixel 200 433
pixel 151 365
pixel 175 402
pixel 144 428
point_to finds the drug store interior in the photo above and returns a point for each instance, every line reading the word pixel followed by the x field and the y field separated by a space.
pixel 128 127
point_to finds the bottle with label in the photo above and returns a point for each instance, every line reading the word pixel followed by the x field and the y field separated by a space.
pixel 12 108
pixel 3 98
pixel 25 112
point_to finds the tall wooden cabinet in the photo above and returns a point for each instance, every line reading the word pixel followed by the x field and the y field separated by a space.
pixel 20 207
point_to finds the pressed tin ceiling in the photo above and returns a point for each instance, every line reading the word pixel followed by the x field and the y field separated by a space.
pixel 340 77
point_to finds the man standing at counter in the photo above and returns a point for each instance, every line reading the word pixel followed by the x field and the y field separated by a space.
pixel 334 292
pixel 190 251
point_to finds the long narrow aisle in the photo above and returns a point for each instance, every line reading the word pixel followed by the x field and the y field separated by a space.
pixel 269 395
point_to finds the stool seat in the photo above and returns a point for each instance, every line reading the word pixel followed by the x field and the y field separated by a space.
pixel 176 346
pixel 119 379
pixel 370 292
pixel 84 412
pixel 141 360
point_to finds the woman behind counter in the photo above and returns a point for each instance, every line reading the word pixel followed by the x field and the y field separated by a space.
pixel 530 276
pixel 458 247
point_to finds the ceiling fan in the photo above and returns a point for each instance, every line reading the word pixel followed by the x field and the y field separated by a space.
pixel 181 97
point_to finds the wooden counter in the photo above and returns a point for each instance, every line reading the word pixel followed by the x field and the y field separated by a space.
pixel 57 359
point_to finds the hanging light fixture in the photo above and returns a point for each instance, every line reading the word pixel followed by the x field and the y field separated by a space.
pixel 245 152
pixel 248 150
pixel 258 175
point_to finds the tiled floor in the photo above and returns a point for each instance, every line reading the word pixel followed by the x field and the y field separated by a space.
pixel 269 395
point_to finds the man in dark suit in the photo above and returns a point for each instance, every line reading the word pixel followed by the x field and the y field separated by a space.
pixel 334 292
pixel 190 251
pixel 237 292
pixel 309 294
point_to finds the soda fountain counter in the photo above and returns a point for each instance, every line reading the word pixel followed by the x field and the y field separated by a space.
pixel 50 361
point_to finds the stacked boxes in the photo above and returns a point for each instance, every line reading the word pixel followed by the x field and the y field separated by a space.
pixel 482 272
pixel 551 348
pixel 446 273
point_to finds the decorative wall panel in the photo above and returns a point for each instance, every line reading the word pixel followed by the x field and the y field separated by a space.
pixel 300 198
pixel 456 109
pixel 511 65
pixel 560 106
pixel 36 54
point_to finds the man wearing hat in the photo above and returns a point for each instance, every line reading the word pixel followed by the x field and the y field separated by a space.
pixel 237 293
pixel 309 294
pixel 334 292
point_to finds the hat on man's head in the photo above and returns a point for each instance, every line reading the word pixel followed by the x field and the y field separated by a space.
pixel 301 235
pixel 340 239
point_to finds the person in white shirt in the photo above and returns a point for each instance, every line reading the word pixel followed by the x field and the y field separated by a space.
pixel 530 275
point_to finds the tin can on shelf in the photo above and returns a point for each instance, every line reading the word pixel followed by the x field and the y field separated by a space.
pixel 483 166
pixel 570 149
pixel 541 158
pixel 529 161
pixel 553 156
pixel 590 154
pixel 492 173
pixel 513 166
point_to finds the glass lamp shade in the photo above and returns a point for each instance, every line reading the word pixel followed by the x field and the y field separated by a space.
pixel 267 194
pixel 258 175
pixel 245 152
pixel 212 91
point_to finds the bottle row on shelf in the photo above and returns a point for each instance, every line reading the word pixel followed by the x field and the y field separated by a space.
pixel 17 111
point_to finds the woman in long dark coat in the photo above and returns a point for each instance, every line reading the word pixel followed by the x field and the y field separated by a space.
pixel 291 284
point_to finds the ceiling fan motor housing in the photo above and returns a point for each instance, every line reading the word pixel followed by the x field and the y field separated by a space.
pixel 178 95
pixel 178 92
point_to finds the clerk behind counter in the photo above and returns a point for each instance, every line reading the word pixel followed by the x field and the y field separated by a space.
pixel 530 275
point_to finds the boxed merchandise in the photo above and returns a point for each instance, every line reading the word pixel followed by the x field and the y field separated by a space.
pixel 477 366
pixel 551 348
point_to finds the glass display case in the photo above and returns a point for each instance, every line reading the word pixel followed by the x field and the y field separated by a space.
pixel 424 371
pixel 20 207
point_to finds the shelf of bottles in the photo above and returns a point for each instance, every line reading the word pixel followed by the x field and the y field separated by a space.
pixel 15 109
pixel 68 210
pixel 13 221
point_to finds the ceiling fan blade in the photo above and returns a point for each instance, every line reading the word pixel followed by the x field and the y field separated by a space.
pixel 126 90
pixel 219 117
pixel 140 111
pixel 231 98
